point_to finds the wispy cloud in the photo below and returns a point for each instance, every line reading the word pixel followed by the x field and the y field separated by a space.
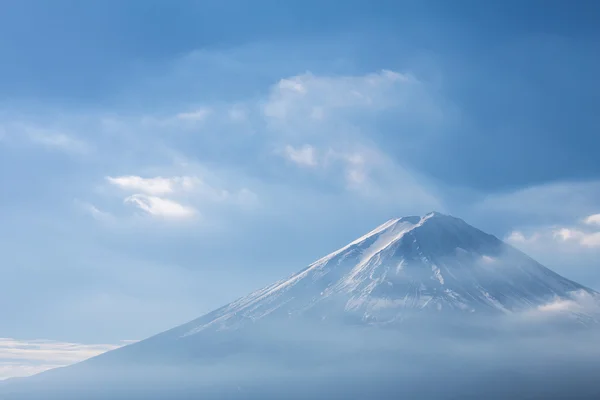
pixel 59 141
pixel 581 301
pixel 558 201
pixel 574 236
pixel 593 219
pixel 585 239
pixel 335 115
pixel 197 115
pixel 571 249
pixel 161 207
pixel 94 211
pixel 318 122
pixel 148 194
pixel 319 97
pixel 518 237
pixel 48 138
pixel 153 186
pixel 304 156
pixel 28 357
pixel 177 197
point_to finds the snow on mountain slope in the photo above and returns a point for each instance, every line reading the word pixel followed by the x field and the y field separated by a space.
pixel 435 262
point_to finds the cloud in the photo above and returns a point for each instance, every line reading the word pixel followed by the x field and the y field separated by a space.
pixel 556 236
pixel 197 115
pixel 227 182
pixel 161 207
pixel 150 200
pixel 515 237
pixel 561 202
pixel 181 196
pixel 518 237
pixel 593 219
pixel 551 222
pixel 591 240
pixel 305 156
pixel 585 239
pixel 581 302
pixel 28 357
pixel 48 138
pixel 321 123
pixel 571 249
pixel 575 258
pixel 337 116
pixel 344 110
pixel 488 260
pixel 317 97
pixel 153 186
pixel 356 164
pixel 59 141
pixel 94 211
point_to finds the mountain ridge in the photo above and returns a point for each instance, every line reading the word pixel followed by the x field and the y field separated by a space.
pixel 435 256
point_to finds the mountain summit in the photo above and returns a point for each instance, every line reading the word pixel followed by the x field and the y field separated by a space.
pixel 435 262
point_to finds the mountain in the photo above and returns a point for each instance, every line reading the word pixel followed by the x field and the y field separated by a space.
pixel 435 262
pixel 356 303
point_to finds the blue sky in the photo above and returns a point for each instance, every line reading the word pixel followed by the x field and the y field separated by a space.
pixel 158 160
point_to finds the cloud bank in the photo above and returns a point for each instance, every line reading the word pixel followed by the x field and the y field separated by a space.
pixel 20 358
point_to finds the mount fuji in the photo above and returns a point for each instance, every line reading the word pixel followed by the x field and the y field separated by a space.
pixel 435 262
pixel 435 266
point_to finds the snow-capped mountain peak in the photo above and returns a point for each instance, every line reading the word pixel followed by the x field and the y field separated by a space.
pixel 433 262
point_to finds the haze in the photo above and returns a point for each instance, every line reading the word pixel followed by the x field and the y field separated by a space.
pixel 159 160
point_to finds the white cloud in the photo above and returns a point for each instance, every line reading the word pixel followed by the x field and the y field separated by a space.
pixel 314 97
pixel 567 234
pixel 518 237
pixel 294 84
pixel 551 224
pixel 363 170
pixel 325 107
pixel 488 260
pixel 153 186
pixel 593 219
pixel 581 302
pixel 197 115
pixel 560 246
pixel 28 357
pixel 556 236
pixel 161 207
pixel 591 240
pixel 558 305
pixel 356 164
pixel 51 139
pixel 93 211
pixel 572 250
pixel 305 156
pixel 151 200
pixel 585 239
pixel 182 196
pixel 338 114
pixel 58 141
pixel 355 176
pixel 538 237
